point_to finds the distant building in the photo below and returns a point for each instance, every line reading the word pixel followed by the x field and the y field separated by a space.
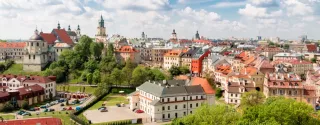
pixel 197 36
pixel 287 56
pixel 12 51
pixel 172 58
pixel 125 53
pixel 269 52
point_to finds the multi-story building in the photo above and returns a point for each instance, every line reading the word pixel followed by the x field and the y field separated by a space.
pixel 125 53
pixel 288 85
pixel 269 52
pixel 32 94
pixel 196 61
pixel 172 58
pixel 312 48
pixel 287 56
pixel 12 51
pixel 157 53
pixel 166 100
pixel 36 53
pixel 313 78
pixel 241 60
pixel 297 66
pixel 299 48
pixel 13 82
pixel 187 57
pixel 221 73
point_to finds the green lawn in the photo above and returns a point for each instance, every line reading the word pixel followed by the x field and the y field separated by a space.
pixel 7 117
pixel 111 99
pixel 62 115
pixel 17 69
pixel 88 89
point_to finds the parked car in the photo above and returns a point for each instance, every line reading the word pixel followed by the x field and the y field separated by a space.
pixel 101 108
pixel 118 105
pixel 63 109
pixel 61 104
pixel 45 110
pixel 134 109
pixel 61 100
pixel 32 109
pixel 70 108
pixel 26 113
pixel 104 110
pixel 51 110
pixel 36 108
pixel 43 106
pixel 20 112
pixel 139 111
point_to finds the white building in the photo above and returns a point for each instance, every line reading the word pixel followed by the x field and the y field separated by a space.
pixel 171 99
pixel 14 82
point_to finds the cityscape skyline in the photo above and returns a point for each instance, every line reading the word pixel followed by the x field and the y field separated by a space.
pixel 287 19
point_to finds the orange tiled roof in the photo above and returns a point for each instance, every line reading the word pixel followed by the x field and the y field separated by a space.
pixel 225 69
pixel 204 84
pixel 12 44
pixel 176 52
pixel 48 37
pixel 249 70
pixel 127 49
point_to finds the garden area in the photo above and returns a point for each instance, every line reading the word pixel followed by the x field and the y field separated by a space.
pixel 17 69
pixel 85 89
pixel 63 115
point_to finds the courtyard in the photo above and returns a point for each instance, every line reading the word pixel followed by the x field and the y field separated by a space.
pixel 114 114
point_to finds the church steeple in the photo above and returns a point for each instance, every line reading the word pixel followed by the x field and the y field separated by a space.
pixel 58 26
pixel 78 27
pixel 174 34
pixel 197 35
pixel 101 22
pixel 69 29
pixel 143 35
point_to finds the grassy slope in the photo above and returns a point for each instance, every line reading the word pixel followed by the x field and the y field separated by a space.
pixel 17 69
pixel 7 117
pixel 88 89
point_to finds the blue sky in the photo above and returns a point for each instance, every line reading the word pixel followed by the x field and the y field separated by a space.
pixel 287 19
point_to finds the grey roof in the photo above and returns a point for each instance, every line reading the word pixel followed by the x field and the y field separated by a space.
pixel 155 102
pixel 71 33
pixel 171 88
pixel 190 52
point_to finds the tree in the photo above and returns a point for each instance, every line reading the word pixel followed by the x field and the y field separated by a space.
pixel 83 47
pixel 280 111
pixel 286 46
pixel 210 115
pixel 25 104
pixel 174 71
pixel 127 71
pixel 8 107
pixel 96 76
pixel 96 50
pixel 252 98
pixel 314 60
pixel 218 92
pixel 138 75
pixel 184 70
pixel 110 50
pixel 91 65
pixel 89 78
pixel 116 76
pixel 158 75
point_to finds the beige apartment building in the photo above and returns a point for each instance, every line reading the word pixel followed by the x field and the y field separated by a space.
pixel 172 58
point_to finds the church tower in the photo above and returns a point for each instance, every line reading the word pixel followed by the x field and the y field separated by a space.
pixel 197 36
pixel 69 28
pixel 101 35
pixel 36 53
pixel 59 26
pixel 174 35
pixel 78 31
pixel 143 36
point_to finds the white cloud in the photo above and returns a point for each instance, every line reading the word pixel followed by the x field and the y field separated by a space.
pixel 260 2
pixel 199 15
pixel 295 7
pixel 139 5
pixel 308 18
pixel 258 12
pixel 229 4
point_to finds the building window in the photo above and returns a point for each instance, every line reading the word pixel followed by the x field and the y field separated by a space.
pixel 201 97
pixel 168 107
pixel 175 99
pixel 196 104
pixel 184 98
pixel 184 105
pixel 163 116
pixel 190 112
pixel 29 56
pixel 34 56
pixel 176 114
pixel 184 113
pixel 162 100
pixel 196 97
pixel 190 105
pixel 231 100
pixel 190 97
pixel 231 95
pixel 176 107
pixel 168 99
pixel 163 108
pixel 169 115
pixel 236 101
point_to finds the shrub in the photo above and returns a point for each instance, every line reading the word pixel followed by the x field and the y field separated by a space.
pixel 8 107
pixel 25 105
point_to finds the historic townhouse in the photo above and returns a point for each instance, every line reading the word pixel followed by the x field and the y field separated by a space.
pixel 12 51
pixel 187 57
pixel 172 58
pixel 297 66
pixel 287 56
pixel 166 100
pixel 197 58
pixel 289 85
pixel 125 53
pixel 241 60
pixel 269 52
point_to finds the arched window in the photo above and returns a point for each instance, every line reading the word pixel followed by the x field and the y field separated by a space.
pixel 37 44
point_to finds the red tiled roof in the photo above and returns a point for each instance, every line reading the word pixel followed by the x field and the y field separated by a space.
pixel 249 70
pixel 203 41
pixel 127 49
pixel 267 65
pixel 48 37
pixel 12 44
pixel 175 52
pixel 311 47
pixel 33 121
pixel 4 94
pixel 36 88
pixel 38 79
pixel 63 36
pixel 204 83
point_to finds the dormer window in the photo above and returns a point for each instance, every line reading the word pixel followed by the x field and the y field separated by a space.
pixel 274 83
pixel 282 83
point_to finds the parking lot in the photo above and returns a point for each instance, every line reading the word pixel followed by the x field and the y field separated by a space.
pixel 114 114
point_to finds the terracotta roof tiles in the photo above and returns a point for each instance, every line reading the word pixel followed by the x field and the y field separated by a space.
pixel 204 83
